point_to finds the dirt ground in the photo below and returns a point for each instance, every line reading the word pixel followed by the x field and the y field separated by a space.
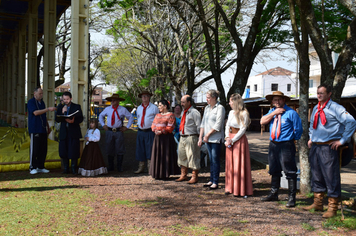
pixel 160 206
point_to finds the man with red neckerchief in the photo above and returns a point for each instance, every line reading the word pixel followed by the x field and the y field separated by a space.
pixel 146 113
pixel 114 135
pixel 188 149
pixel 330 127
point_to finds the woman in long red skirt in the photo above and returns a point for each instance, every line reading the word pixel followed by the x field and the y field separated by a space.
pixel 238 180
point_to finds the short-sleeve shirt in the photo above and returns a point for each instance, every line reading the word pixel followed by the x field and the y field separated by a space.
pixel 36 124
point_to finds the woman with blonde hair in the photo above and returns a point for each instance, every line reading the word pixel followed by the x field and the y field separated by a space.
pixel 238 180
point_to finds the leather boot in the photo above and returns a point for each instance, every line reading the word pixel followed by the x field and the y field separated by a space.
pixel 292 187
pixel 183 174
pixel 74 166
pixel 65 165
pixel 273 195
pixel 332 207
pixel 318 202
pixel 120 158
pixel 141 167
pixel 111 163
pixel 194 178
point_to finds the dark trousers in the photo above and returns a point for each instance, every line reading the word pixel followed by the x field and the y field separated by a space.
pixel 69 148
pixel 38 150
pixel 281 156
pixel 325 170
pixel 144 144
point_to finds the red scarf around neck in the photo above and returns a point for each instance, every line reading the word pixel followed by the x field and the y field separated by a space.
pixel 113 116
pixel 143 115
pixel 322 115
pixel 182 122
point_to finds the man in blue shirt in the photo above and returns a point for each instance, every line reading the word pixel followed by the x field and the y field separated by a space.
pixel 38 129
pixel 285 127
pixel 330 127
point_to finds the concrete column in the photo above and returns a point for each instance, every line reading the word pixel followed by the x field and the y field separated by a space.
pixel 9 85
pixel 14 80
pixel 79 55
pixel 49 57
pixel 32 47
pixel 21 77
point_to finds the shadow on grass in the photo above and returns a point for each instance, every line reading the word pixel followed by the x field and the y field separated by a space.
pixel 39 189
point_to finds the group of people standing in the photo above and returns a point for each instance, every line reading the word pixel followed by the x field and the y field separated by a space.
pixel 158 128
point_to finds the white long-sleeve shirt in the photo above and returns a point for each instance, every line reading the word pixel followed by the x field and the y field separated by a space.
pixel 123 112
pixel 232 122
pixel 93 136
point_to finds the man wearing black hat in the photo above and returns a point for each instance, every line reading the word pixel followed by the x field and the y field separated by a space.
pixel 114 137
pixel 146 112
pixel 285 127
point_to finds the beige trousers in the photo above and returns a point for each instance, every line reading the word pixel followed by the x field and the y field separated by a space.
pixel 189 152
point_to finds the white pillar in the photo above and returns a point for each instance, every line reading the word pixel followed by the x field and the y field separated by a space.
pixel 79 55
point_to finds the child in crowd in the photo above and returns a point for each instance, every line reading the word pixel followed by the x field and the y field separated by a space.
pixel 92 162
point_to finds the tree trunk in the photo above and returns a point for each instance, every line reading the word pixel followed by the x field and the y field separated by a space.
pixel 302 46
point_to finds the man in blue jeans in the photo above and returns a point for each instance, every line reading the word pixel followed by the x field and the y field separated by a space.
pixel 285 127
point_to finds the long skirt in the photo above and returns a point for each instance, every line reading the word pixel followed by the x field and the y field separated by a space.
pixel 92 162
pixel 238 180
pixel 164 157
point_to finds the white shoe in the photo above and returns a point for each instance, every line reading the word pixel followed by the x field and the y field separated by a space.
pixel 33 172
pixel 42 170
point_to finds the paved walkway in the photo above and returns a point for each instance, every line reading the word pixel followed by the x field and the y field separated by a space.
pixel 259 153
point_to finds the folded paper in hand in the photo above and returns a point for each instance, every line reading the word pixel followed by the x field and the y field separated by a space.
pixel 70 116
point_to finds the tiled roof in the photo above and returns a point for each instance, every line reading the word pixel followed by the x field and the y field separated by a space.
pixel 277 71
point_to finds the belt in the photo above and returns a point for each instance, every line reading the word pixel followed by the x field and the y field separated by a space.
pixel 114 129
pixel 324 143
pixel 145 130
pixel 187 135
pixel 234 130
pixel 282 141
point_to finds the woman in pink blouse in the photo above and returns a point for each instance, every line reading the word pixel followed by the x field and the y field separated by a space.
pixel 238 180
pixel 164 154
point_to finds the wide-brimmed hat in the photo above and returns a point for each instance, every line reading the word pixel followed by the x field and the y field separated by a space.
pixel 115 96
pixel 144 92
pixel 269 97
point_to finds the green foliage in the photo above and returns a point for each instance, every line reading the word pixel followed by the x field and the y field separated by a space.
pixel 336 223
pixel 128 99
pixel 308 227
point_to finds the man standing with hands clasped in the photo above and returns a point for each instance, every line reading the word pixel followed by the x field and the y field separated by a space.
pixel 38 129
pixel 114 130
pixel 146 113
pixel 285 127
pixel 188 149
pixel 330 127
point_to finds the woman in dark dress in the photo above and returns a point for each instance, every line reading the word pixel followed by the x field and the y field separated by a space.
pixel 164 154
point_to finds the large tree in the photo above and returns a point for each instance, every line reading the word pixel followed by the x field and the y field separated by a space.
pixel 331 32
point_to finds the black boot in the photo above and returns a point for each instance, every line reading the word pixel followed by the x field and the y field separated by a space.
pixel 120 158
pixel 65 162
pixel 74 166
pixel 273 195
pixel 292 187
pixel 111 163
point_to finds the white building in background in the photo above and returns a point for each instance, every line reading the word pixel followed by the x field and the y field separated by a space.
pixel 276 79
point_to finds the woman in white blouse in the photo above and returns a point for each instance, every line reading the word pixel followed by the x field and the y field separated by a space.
pixel 238 179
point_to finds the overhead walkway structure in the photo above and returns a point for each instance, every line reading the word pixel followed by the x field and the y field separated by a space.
pixel 22 24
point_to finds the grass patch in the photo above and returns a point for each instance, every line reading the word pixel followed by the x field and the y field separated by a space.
pixel 336 223
pixel 308 227
pixel 45 206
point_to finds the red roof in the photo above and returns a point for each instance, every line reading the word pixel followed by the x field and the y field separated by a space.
pixel 277 71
